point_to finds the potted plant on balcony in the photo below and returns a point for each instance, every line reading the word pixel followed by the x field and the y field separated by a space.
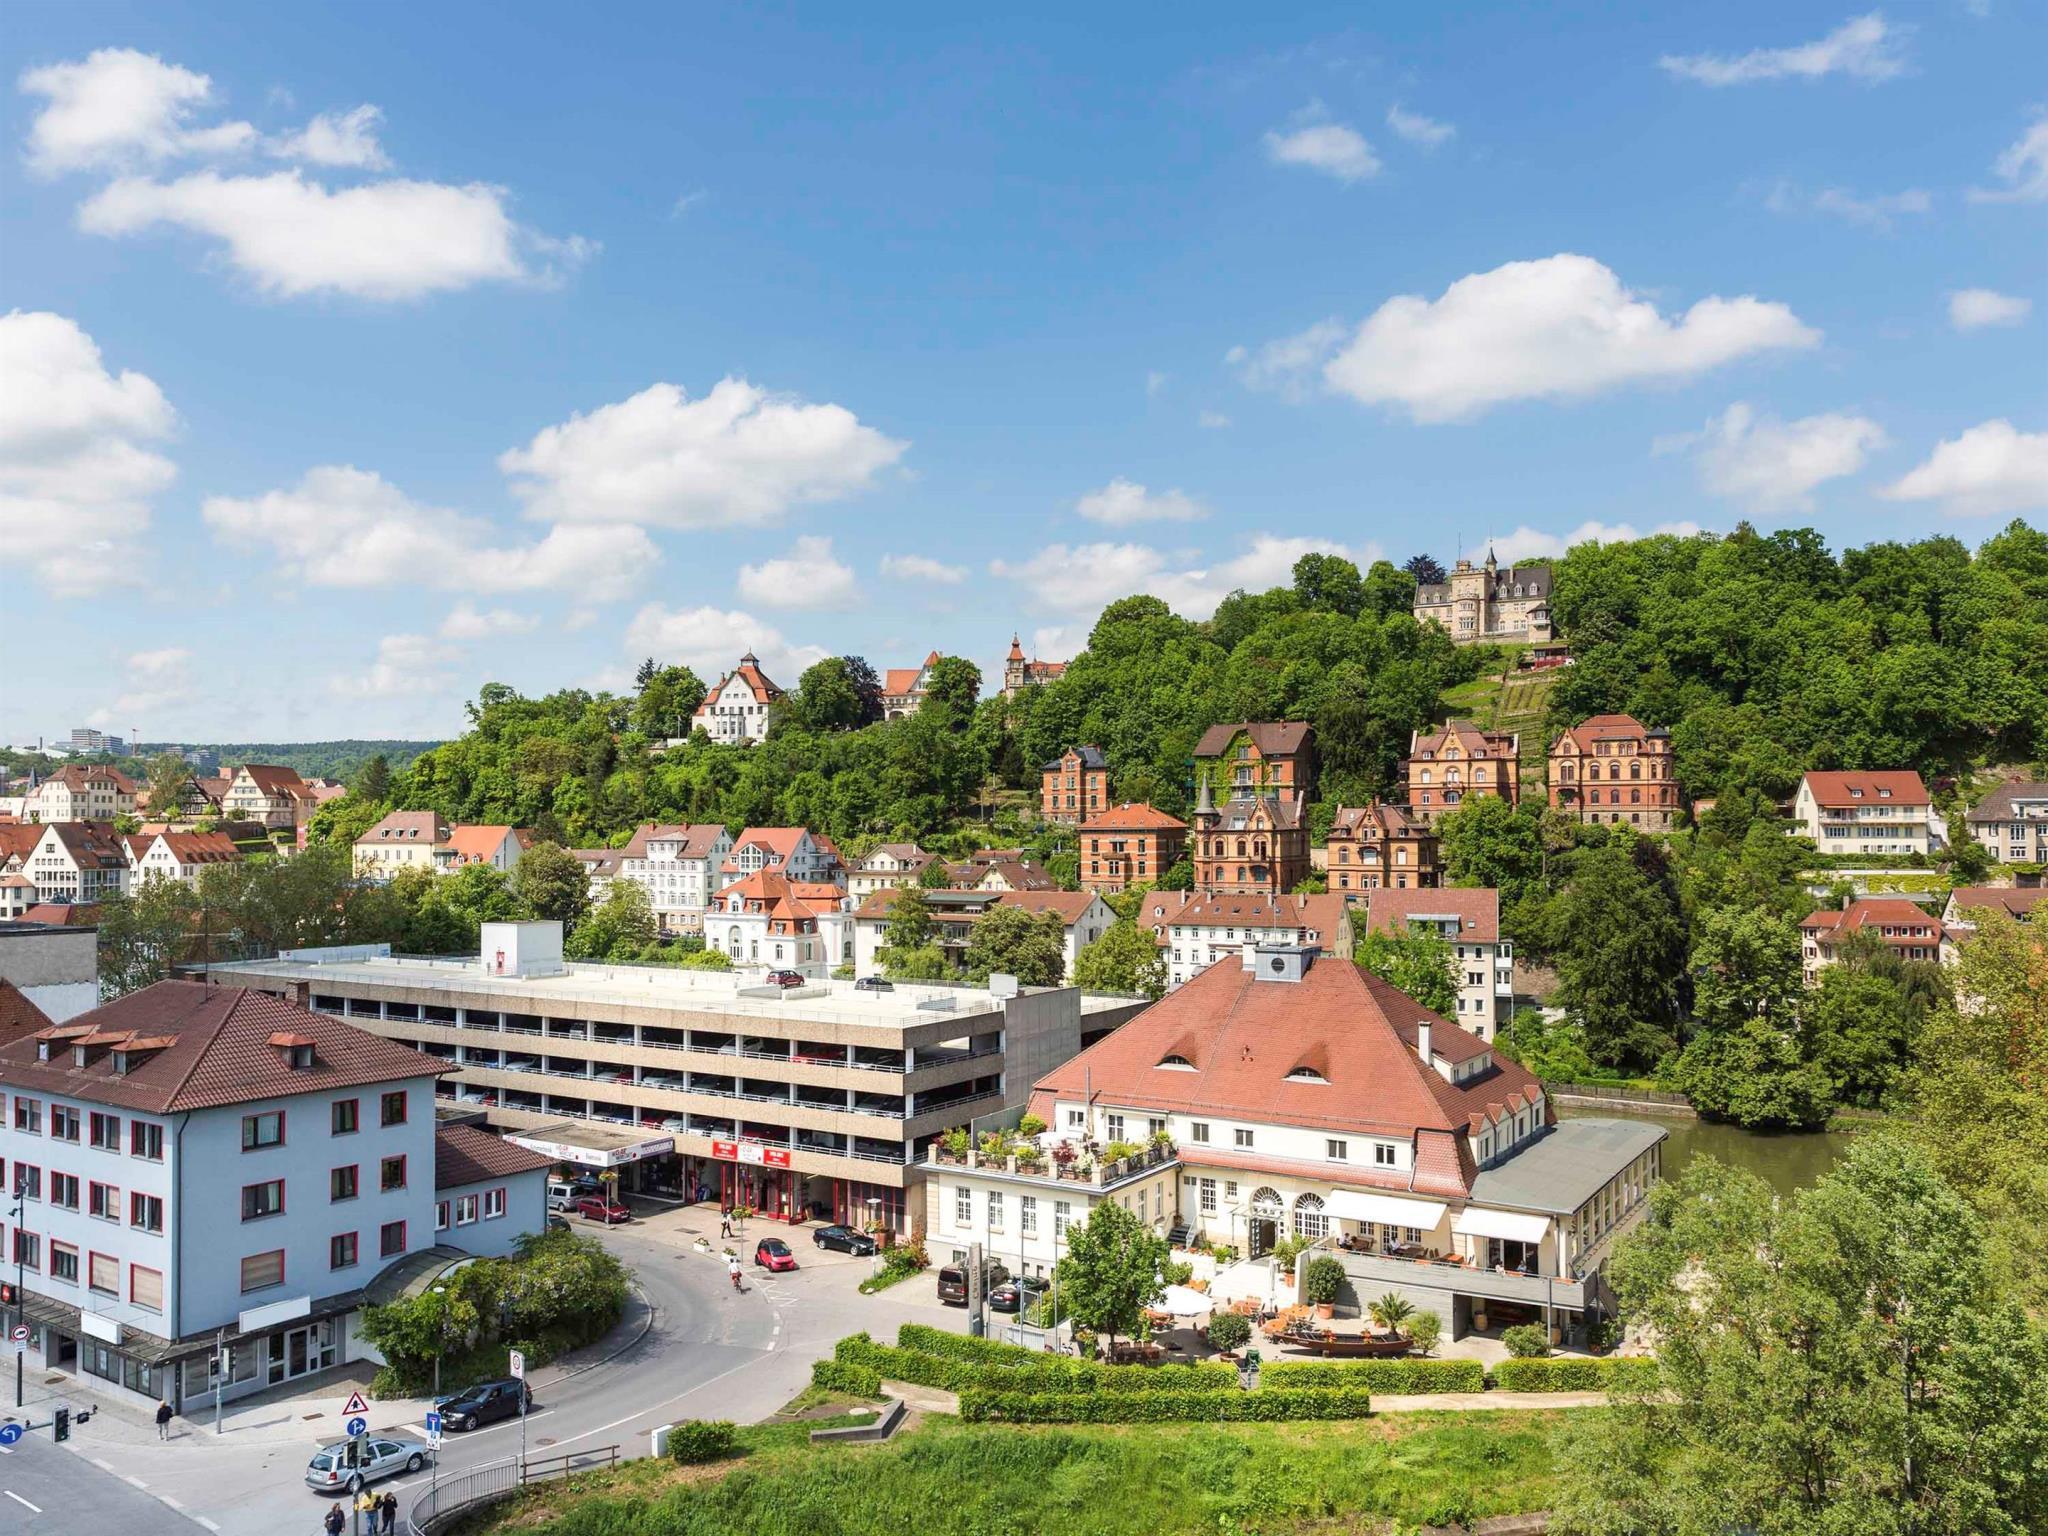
pixel 1063 1157
pixel 1320 1283
pixel 1162 1140
pixel 953 1145
pixel 1029 1158
pixel 994 1147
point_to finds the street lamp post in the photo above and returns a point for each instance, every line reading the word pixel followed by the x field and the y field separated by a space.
pixel 20 1298
pixel 440 1339
pixel 874 1226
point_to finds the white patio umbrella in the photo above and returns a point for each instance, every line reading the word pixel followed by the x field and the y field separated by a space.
pixel 1184 1302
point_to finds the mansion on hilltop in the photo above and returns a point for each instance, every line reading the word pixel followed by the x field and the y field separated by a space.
pixel 1487 603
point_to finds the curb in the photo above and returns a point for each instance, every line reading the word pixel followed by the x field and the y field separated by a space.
pixel 646 1327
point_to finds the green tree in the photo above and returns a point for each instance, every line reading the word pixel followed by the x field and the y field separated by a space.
pixel 372 781
pixel 954 686
pixel 935 876
pixel 1110 1274
pixel 550 882
pixel 910 920
pixel 1028 945
pixel 827 699
pixel 1330 583
pixel 1417 960
pixel 145 934
pixel 1618 953
pixel 169 777
pixel 919 962
pixel 617 928
pixel 668 697
pixel 1859 1028
pixel 1487 842
pixel 1127 958
pixel 1745 967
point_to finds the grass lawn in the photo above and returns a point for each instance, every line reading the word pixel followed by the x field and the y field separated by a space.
pixel 1124 1480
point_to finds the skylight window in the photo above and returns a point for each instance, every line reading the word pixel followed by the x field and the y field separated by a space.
pixel 1176 1063
pixel 1306 1075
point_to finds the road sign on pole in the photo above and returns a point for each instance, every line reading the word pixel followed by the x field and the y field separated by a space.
pixel 434 1428
pixel 518 1364
pixel 20 1334
pixel 356 1404
pixel 358 1426
pixel 9 1433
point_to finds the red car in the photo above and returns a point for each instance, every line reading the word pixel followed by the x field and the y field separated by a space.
pixel 785 979
pixel 773 1254
pixel 602 1208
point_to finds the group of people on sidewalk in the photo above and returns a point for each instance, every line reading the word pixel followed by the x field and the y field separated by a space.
pixel 380 1515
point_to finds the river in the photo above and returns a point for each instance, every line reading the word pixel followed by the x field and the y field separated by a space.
pixel 1785 1160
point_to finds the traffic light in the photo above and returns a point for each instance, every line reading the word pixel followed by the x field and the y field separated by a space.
pixel 6 1293
pixel 62 1424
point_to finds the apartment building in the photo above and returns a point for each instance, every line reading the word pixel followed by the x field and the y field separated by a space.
pixel 1864 812
pixel 770 922
pixel 888 866
pixel 1129 845
pixel 203 1165
pixel 1375 847
pixel 78 861
pixel 1084 917
pixel 1074 786
pixel 1468 919
pixel 273 796
pixel 679 867
pixel 904 688
pixel 1271 760
pixel 2011 823
pixel 81 792
pixel 807 857
pixel 178 856
pixel 735 710
pixel 1199 929
pixel 1613 769
pixel 1445 768
pixel 498 847
pixel 1912 932
pixel 812 1100
pixel 1252 844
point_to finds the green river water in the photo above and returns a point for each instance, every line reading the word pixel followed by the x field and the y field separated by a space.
pixel 1785 1161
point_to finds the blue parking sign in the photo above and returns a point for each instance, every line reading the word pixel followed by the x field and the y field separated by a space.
pixel 434 1424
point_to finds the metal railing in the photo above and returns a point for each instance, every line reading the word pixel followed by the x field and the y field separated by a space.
pixel 445 1501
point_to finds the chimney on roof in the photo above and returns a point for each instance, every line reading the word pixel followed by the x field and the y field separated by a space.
pixel 1422 1042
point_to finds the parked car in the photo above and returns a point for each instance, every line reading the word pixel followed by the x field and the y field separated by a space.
pixel 874 984
pixel 773 1255
pixel 675 1123
pixel 562 1195
pixel 1015 1295
pixel 485 1403
pixel 335 1468
pixel 784 979
pixel 846 1240
pixel 953 1281
pixel 602 1208
pixel 557 1222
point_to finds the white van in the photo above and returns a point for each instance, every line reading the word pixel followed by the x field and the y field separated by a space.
pixel 561 1194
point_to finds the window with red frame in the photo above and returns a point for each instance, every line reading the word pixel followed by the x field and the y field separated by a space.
pixel 391 1239
pixel 341 1250
pixel 264 1130
pixel 103 1274
pixel 104 1131
pixel 63 1123
pixel 64 1262
pixel 64 1190
pixel 342 1183
pixel 146 1287
pixel 344 1117
pixel 391 1108
pixel 28 1179
pixel 28 1250
pixel 103 1201
pixel 145 1212
pixel 261 1200
pixel 261 1270
pixel 28 1115
pixel 146 1140
pixel 391 1174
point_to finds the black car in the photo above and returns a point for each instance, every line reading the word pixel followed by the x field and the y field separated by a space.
pixel 846 1240
pixel 484 1403
pixel 1014 1295
pixel 874 984
pixel 953 1281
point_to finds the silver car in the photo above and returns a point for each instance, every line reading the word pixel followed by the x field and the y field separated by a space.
pixel 334 1468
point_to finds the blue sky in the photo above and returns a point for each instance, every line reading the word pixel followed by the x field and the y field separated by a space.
pixel 603 333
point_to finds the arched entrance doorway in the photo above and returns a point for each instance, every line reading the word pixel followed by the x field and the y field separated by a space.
pixel 1263 1222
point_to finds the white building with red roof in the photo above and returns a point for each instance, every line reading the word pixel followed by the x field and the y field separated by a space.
pixel 81 792
pixel 904 688
pixel 769 921
pixel 808 857
pixel 1467 919
pixel 499 847
pixel 1912 932
pixel 735 710
pixel 178 856
pixel 1199 929
pixel 680 867
pixel 1083 916
pixel 1883 811
pixel 1305 1097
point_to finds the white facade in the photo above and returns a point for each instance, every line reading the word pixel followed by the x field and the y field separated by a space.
pixel 735 710
pixel 787 851
pixel 678 868
pixel 1875 821
pixel 80 794
pixel 889 866
pixel 2012 824
pixel 62 874
pixel 1022 1220
pixel 871 933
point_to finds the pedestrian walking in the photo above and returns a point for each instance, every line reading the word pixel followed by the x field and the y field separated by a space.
pixel 725 1221
pixel 335 1519
pixel 163 1419
pixel 389 1509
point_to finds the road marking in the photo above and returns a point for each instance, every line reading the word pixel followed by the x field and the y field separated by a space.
pixel 138 1482
pixel 206 1522
pixel 4 1451
pixel 649 1411
pixel 166 1498
pixel 106 1466
pixel 35 1509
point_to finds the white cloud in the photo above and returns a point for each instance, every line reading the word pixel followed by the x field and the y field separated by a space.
pixel 385 240
pixel 1212 421
pixel 809 577
pixel 1989 471
pixel 120 108
pixel 466 622
pixel 2023 167
pixel 1773 465
pixel 1125 501
pixel 1972 309
pixel 1082 578
pixel 922 568
pixel 1287 364
pixel 1527 543
pixel 1335 149
pixel 1560 328
pixel 740 456
pixel 1417 129
pixel 336 138
pixel 346 527
pixel 76 474
pixel 710 641
pixel 1875 212
pixel 1155 382
pixel 157 680
pixel 1864 48
pixel 405 664
pixel 685 202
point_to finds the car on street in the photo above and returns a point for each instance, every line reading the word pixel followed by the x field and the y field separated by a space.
pixel 785 979
pixel 1015 1295
pixel 953 1281
pixel 874 984
pixel 846 1240
pixel 336 1469
pixel 485 1403
pixel 557 1222
pixel 773 1254
pixel 602 1208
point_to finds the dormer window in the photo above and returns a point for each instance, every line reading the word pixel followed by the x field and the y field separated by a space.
pixel 1306 1075
pixel 42 1050
pixel 1175 1062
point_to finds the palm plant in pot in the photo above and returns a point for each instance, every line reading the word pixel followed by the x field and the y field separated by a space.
pixel 1392 1312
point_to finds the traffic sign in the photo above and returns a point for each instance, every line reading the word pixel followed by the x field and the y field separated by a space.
pixel 434 1428
pixel 519 1364
pixel 357 1426
pixel 356 1404
pixel 9 1433
pixel 20 1334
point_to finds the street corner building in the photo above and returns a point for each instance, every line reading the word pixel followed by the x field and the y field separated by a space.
pixel 208 1183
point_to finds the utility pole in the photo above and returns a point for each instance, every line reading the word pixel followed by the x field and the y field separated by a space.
pixel 20 1296
pixel 220 1373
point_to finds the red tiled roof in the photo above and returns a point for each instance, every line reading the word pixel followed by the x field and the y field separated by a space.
pixel 1602 728
pixel 1199 909
pixel 1020 876
pixel 1276 738
pixel 1998 805
pixel 411 829
pixel 1393 820
pixel 219 1052
pixel 91 844
pixel 63 914
pixel 748 674
pixel 78 775
pixel 1886 787
pixel 1872 912
pixel 272 779
pixel 465 1155
pixel 1474 741
pixel 769 892
pixel 2016 901
pixel 18 1016
pixel 1134 817
pixel 1477 910
pixel 19 839
pixel 474 845
pixel 200 847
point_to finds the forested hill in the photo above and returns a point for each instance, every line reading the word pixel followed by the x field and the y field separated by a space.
pixel 1766 654
pixel 337 760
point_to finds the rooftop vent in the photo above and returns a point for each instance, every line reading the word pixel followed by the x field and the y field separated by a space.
pixel 1281 962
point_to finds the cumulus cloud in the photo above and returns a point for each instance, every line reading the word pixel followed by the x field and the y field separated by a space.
pixel 405 664
pixel 1560 328
pixel 119 108
pixel 1527 543
pixel 810 576
pixel 922 568
pixel 1417 129
pixel 1335 149
pixel 77 472
pixel 1125 501
pixel 1865 48
pixel 710 641
pixel 1773 465
pixel 336 138
pixel 1082 578
pixel 466 622
pixel 1990 471
pixel 740 456
pixel 347 527
pixel 1288 364
pixel 2023 167
pixel 1973 309
pixel 156 681
pixel 1155 383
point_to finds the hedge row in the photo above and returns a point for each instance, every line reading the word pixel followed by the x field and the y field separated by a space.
pixel 1043 1374
pixel 1378 1375
pixel 979 1406
pixel 959 1346
pixel 1558 1373
pixel 844 1376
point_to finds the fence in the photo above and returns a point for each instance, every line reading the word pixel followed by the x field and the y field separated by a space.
pixel 448 1498
pixel 1612 1093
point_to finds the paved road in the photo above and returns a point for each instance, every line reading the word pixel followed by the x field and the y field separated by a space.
pixel 46 1492
pixel 709 1353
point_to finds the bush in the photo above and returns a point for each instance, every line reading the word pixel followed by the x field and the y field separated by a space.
pixel 982 1406
pixel 1526 1341
pixel 844 1376
pixel 701 1440
pixel 1016 1369
pixel 1322 1280
pixel 1406 1376
pixel 1229 1330
pixel 1425 1328
pixel 1561 1373
pixel 960 1346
